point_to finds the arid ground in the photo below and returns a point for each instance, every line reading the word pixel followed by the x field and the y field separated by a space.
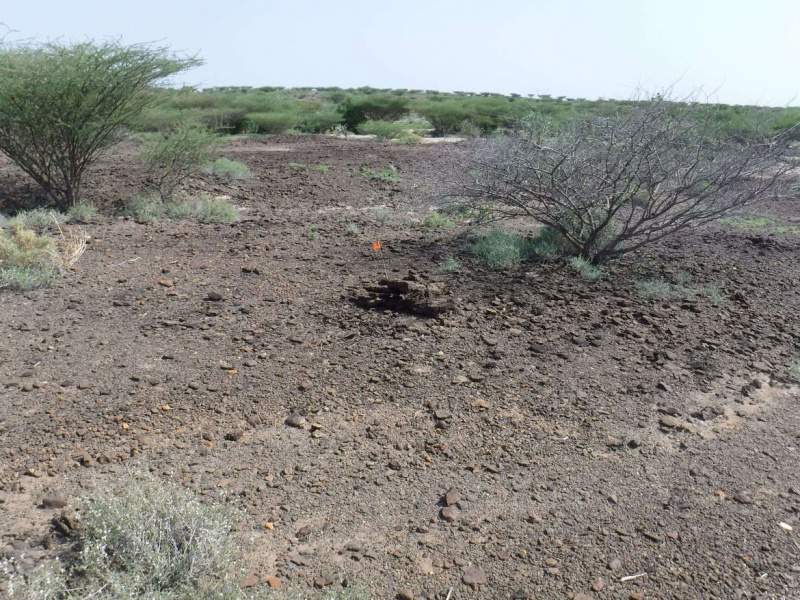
pixel 596 444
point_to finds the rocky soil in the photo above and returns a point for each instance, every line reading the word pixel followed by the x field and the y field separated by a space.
pixel 522 434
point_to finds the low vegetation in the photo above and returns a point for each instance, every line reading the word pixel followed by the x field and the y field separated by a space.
pixel 203 210
pixel 29 260
pixel 228 170
pixel 500 249
pixel 390 175
pixel 144 539
pixel 173 157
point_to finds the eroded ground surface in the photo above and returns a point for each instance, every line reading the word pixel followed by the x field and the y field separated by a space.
pixel 591 434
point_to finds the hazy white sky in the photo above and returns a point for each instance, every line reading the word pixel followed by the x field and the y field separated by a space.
pixel 745 51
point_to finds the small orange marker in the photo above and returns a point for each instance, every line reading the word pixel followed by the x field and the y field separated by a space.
pixel 377 247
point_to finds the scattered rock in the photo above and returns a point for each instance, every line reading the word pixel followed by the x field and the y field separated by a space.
pixel 743 498
pixel 54 500
pixel 668 422
pixel 297 420
pixel 453 496
pixel 474 576
pixel 213 296
pixel 250 580
pixel 425 565
pixel 273 582
pixel 450 513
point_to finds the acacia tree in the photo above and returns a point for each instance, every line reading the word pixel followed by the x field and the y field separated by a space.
pixel 614 183
pixel 62 104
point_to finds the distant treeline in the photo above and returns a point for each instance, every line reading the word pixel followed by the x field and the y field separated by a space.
pixel 241 110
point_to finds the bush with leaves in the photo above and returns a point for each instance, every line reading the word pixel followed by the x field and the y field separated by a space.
pixel 172 158
pixel 62 104
pixel 614 183
pixel 373 107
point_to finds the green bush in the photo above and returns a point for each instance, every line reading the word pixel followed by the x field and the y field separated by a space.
pixel 272 123
pixel 373 107
pixel 39 218
pixel 62 104
pixel 382 130
pixel 174 157
pixel 228 170
pixel 352 230
pixel 436 220
pixel 502 250
pixel 321 122
pixel 83 213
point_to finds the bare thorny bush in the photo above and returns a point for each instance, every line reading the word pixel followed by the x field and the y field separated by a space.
pixel 613 184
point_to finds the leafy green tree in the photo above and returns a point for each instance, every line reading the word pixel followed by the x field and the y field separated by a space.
pixel 62 104
pixel 373 107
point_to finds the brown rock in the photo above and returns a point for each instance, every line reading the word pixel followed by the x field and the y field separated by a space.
pixel 250 580
pixel 668 422
pixel 453 496
pixel 474 576
pixel 54 500
pixel 273 582
pixel 450 513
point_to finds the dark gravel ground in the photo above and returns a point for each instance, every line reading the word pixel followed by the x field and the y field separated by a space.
pixel 596 444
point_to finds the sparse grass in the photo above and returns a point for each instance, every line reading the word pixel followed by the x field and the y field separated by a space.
pixel 143 210
pixel 28 260
pixel 436 220
pixel 683 278
pixel 313 235
pixel 661 289
pixel 714 294
pixel 407 137
pixel 83 213
pixel 749 221
pixel 38 218
pixel 449 265
pixel 352 230
pixel 150 539
pixel 146 539
pixel 587 270
pixel 383 215
pixel 758 222
pixel 550 243
pixel 25 278
pixel 203 210
pixel 298 166
pixel 229 170
pixel 501 249
pixel 322 168
pixel 794 372
pixel 390 175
